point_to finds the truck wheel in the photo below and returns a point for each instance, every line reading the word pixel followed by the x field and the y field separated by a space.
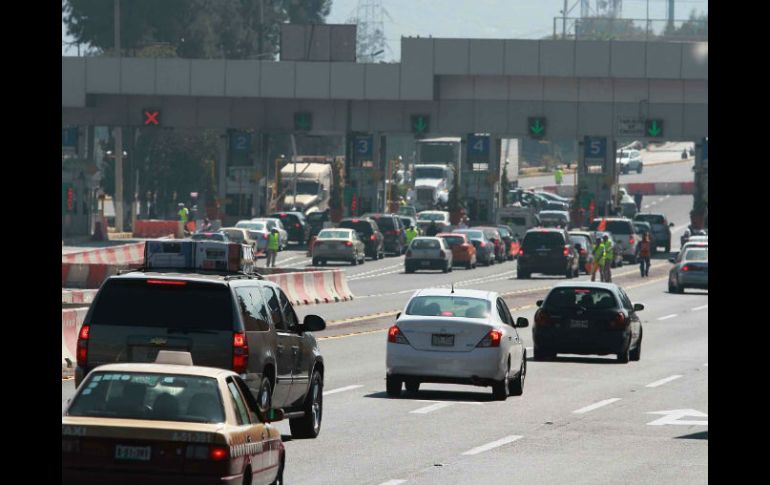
pixel 309 425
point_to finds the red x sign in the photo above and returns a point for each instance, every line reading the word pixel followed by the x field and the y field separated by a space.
pixel 151 117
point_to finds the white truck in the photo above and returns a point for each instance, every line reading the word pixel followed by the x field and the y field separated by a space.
pixel 313 180
pixel 437 160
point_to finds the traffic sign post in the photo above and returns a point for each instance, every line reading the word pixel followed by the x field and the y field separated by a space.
pixel 595 154
pixel 303 121
pixel 420 124
pixel 536 127
pixel 363 147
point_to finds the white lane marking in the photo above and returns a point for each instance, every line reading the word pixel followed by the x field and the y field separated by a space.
pixel 450 402
pixel 342 389
pixel 663 381
pixel 666 317
pixel 375 275
pixel 702 307
pixel 393 482
pixel 493 445
pixel 596 405
pixel 431 408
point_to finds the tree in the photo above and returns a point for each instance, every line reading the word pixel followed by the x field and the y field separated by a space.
pixel 696 28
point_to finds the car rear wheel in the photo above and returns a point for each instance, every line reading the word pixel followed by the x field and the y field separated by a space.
pixel 469 265
pixel 516 386
pixel 412 386
pixel 316 262
pixel 446 268
pixel 500 388
pixel 354 261
pixel 522 275
pixel 668 247
pixel 624 355
pixel 309 425
pixel 393 386
pixel 265 396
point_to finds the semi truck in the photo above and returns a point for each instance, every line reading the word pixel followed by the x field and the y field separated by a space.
pixel 313 176
pixel 434 170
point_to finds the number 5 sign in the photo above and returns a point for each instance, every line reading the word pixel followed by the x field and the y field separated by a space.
pixel 595 149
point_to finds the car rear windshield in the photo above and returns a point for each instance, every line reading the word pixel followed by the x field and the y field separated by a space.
pixel 547 239
pixel 615 227
pixel 162 397
pixel 504 232
pixel 696 254
pixel 588 298
pixel 317 217
pixel 286 219
pixel 332 234
pixel 474 234
pixel 428 173
pixel 449 306
pixel 426 244
pixel 582 240
pixel 359 226
pixel 209 237
pixel 651 218
pixel 454 240
pixel 406 221
pixel 164 303
pixel 384 222
pixel 236 236
pixel 254 226
pixel 434 216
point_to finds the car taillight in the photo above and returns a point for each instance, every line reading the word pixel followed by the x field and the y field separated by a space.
pixel 296 226
pixel 521 252
pixel 583 252
pixel 566 250
pixel 82 346
pixel 631 240
pixel 409 253
pixel 542 318
pixel 618 321
pixel 240 353
pixel 395 336
pixel 491 339
pixel 391 231
pixel 483 244
pixel 218 453
pixel 685 268
pixel 373 237
pixel 348 243
pixel 166 282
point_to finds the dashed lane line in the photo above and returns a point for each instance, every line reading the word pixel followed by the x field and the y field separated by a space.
pixel 596 405
pixel 493 445
pixel 393 482
pixel 342 389
pixel 702 307
pixel 431 408
pixel 663 381
pixel 666 317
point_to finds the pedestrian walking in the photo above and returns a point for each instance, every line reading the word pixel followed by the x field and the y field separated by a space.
pixel 411 233
pixel 273 243
pixel 609 257
pixel 638 201
pixel 558 175
pixel 598 260
pixel 643 251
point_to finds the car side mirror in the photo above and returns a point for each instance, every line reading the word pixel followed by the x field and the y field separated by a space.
pixel 539 303
pixel 273 415
pixel 398 315
pixel 671 260
pixel 313 323
pixel 670 224
pixel 522 322
pixel 638 307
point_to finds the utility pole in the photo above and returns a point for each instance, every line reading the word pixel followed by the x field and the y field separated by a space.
pixel 564 21
pixel 118 200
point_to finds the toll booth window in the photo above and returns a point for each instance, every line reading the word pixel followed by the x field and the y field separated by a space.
pixel 252 309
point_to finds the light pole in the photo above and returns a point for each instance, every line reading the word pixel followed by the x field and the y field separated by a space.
pixel 118 201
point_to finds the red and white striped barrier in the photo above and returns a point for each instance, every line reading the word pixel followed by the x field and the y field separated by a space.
pixel 309 287
pixel 77 296
pixel 123 254
pixel 71 321
pixel 644 188
pixel 324 287
pixel 88 275
pixel 155 228
pixel 341 285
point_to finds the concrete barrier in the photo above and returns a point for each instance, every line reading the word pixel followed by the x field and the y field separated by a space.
pixel 309 287
pixel 71 321
pixel 123 254
pixel 341 286
pixel 77 296
pixel 645 188
pixel 324 287
pixel 88 275
pixel 155 228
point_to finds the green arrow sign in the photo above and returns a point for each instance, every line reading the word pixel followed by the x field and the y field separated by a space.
pixel 654 128
pixel 536 127
pixel 303 121
pixel 420 123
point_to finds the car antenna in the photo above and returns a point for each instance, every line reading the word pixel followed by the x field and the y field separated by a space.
pixel 453 287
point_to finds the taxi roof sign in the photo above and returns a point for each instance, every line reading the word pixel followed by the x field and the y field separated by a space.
pixel 174 357
pixel 198 255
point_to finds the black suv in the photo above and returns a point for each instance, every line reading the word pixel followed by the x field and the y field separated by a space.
pixel 225 320
pixel 316 222
pixel 661 228
pixel 369 233
pixel 392 230
pixel 295 224
pixel 547 251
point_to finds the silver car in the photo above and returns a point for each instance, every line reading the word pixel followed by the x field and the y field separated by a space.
pixel 691 270
pixel 283 236
pixel 458 336
pixel 630 160
pixel 428 253
pixel 624 236
pixel 258 231
pixel 338 244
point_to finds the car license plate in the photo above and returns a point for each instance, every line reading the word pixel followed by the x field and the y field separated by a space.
pixel 425 263
pixel 135 453
pixel 578 323
pixel 441 340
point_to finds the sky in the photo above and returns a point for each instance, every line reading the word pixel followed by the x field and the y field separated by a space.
pixel 495 19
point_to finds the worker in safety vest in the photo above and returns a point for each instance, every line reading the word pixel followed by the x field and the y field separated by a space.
pixel 411 233
pixel 558 174
pixel 598 259
pixel 609 257
pixel 273 243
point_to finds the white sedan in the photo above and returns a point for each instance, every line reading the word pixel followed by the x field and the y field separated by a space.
pixel 428 253
pixel 456 336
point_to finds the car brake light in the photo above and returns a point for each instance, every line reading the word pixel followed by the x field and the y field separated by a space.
pixel 373 237
pixel 521 252
pixel 566 250
pixel 166 282
pixel 491 339
pixel 395 336
pixel 542 318
pixel 348 243
pixel 218 453
pixel 618 321
pixel 483 244
pixel 631 240
pixel 240 353
pixel 282 215
pixel 82 345
pixel 296 226
pixel 685 268
pixel 355 221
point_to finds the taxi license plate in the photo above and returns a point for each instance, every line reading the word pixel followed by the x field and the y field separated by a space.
pixel 578 323
pixel 440 340
pixel 134 453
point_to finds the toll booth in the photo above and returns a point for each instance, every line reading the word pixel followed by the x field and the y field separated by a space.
pixel 597 178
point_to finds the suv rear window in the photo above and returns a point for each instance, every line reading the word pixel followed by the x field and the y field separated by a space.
pixel 288 220
pixel 360 226
pixel 588 298
pixel 582 240
pixel 651 218
pixel 453 240
pixel 188 305
pixel 384 222
pixel 547 239
pixel 615 227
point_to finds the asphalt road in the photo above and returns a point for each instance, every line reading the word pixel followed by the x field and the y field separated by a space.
pixel 583 419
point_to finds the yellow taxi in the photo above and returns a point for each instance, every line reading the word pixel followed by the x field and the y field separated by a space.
pixel 168 422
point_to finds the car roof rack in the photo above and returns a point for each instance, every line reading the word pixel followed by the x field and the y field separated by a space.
pixel 228 275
